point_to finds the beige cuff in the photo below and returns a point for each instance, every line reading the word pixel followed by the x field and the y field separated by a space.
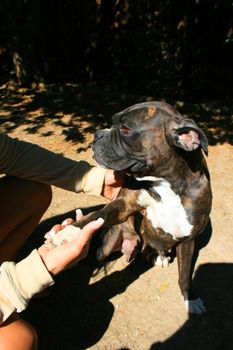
pixel 94 181
pixel 22 280
pixel 6 307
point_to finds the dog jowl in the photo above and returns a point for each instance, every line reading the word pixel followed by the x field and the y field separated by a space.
pixel 166 200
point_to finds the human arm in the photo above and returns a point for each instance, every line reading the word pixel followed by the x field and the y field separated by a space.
pixel 19 282
pixel 31 162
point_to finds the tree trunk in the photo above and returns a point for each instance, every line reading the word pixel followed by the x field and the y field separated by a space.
pixel 22 31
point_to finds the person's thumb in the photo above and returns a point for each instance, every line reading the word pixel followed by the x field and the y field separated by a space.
pixel 87 231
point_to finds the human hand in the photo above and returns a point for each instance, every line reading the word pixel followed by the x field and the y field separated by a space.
pixel 59 257
pixel 58 235
pixel 113 182
pixel 68 221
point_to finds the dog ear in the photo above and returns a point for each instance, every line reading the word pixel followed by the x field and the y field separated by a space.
pixel 188 136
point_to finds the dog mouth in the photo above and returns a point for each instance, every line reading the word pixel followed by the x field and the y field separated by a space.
pixel 118 158
pixel 100 162
pixel 127 166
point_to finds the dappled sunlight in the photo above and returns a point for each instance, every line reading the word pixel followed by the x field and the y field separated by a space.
pixel 215 118
pixel 75 111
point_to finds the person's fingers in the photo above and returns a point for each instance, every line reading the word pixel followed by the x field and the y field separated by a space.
pixel 79 214
pixel 58 227
pixel 114 178
pixel 86 233
pixel 61 256
pixel 67 222
pixel 53 231
pixel 113 183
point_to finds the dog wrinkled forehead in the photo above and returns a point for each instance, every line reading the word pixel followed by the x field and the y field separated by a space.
pixel 145 111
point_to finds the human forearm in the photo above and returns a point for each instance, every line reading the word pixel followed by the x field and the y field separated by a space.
pixel 31 162
pixel 19 282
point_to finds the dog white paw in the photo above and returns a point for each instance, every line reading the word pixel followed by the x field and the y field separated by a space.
pixel 162 261
pixel 195 306
pixel 68 234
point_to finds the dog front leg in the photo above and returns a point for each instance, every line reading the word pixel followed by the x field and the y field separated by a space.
pixel 113 213
pixel 121 237
pixel 184 251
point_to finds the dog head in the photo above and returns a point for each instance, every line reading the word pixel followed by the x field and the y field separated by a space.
pixel 145 135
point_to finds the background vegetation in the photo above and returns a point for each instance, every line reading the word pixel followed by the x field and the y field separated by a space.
pixel 179 47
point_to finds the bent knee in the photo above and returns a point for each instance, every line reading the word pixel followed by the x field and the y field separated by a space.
pixel 42 194
pixel 13 187
pixel 16 333
pixel 28 337
pixel 36 195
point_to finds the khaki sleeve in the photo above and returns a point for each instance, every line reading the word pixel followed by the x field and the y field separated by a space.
pixel 94 181
pixel 19 282
pixel 31 162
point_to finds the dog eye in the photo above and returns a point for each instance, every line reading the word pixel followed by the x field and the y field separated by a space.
pixel 125 130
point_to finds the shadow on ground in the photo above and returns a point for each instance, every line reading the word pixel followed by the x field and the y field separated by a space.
pixel 77 314
pixel 80 109
pixel 213 331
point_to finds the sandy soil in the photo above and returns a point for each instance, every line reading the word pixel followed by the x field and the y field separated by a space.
pixel 117 305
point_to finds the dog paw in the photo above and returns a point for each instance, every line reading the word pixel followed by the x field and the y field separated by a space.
pixel 162 261
pixel 195 306
pixel 67 234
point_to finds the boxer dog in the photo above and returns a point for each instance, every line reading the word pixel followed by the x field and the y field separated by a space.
pixel 166 200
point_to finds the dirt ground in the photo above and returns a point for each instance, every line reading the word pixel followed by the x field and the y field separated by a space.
pixel 117 306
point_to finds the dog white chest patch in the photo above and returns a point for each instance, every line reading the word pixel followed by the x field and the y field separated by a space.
pixel 168 213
